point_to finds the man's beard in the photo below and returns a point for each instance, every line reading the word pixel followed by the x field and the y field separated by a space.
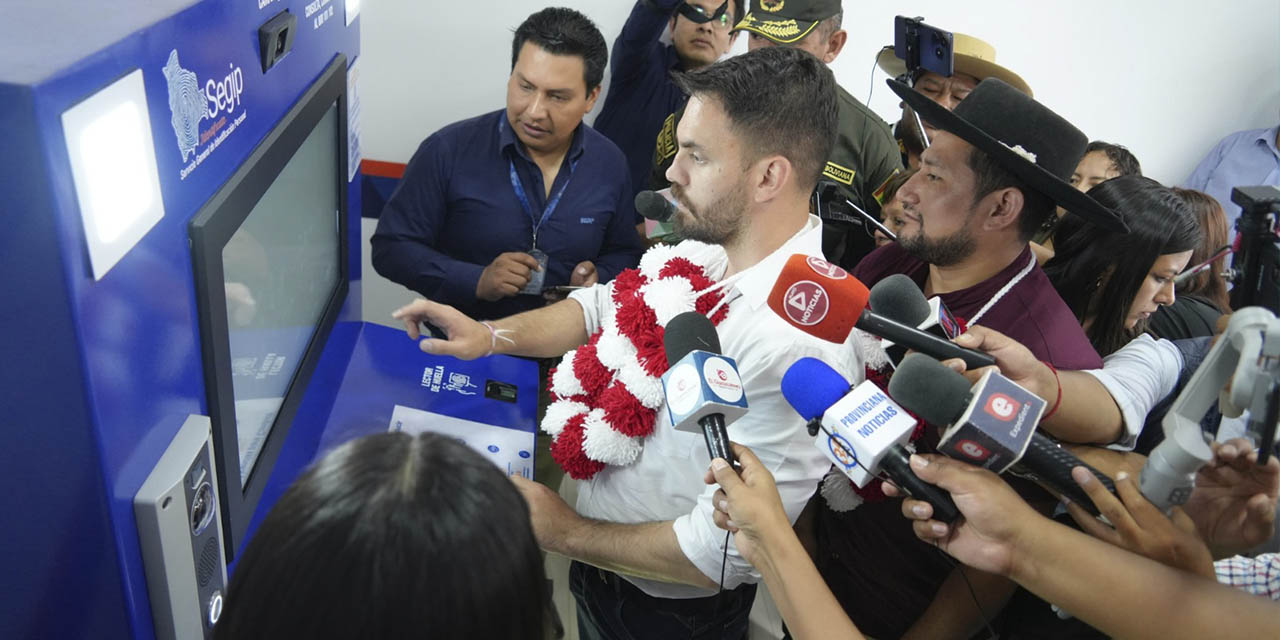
pixel 943 252
pixel 719 222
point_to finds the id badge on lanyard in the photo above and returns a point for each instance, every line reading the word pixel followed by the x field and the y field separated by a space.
pixel 536 279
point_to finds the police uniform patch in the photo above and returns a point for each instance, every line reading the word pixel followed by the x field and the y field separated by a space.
pixel 878 194
pixel 666 144
pixel 838 173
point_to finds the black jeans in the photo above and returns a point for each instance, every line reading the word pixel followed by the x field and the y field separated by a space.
pixel 610 608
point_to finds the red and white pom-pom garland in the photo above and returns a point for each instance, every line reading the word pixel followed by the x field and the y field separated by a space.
pixel 605 394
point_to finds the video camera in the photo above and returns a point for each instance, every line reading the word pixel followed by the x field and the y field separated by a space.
pixel 1255 269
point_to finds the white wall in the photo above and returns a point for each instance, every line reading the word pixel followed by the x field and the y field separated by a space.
pixel 1167 78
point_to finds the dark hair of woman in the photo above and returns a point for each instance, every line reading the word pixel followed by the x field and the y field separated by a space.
pixel 1098 273
pixel 1208 284
pixel 392 536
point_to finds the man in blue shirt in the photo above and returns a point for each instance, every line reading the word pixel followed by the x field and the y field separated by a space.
pixel 1242 159
pixel 495 210
pixel 641 92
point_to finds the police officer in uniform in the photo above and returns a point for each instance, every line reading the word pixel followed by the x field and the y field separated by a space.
pixel 865 154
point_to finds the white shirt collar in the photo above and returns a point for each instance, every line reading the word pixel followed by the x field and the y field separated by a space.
pixel 756 281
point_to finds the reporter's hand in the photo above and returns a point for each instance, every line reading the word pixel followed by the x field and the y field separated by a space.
pixel 584 274
pixel 465 338
pixel 1138 526
pixel 1013 359
pixel 994 517
pixel 1234 502
pixel 1108 461
pixel 747 504
pixel 506 275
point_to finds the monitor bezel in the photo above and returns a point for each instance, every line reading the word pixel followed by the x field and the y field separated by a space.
pixel 210 231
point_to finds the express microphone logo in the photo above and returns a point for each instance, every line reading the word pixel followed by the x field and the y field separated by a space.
pixel 807 303
pixel 1002 407
pixel 826 269
pixel 973 450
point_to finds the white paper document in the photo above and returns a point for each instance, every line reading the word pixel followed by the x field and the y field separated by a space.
pixel 510 449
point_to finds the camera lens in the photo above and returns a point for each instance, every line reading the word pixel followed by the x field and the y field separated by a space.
pixel 202 509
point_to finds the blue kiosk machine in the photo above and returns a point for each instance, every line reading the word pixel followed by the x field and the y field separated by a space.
pixel 181 329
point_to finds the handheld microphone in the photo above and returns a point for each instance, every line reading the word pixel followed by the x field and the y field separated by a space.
pixel 992 424
pixel 898 298
pixel 823 300
pixel 653 206
pixel 704 392
pixel 864 430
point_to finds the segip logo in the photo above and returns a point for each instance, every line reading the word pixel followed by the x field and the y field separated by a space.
pixel 826 269
pixel 807 303
pixel 218 101
pixel 1002 407
pixel 973 450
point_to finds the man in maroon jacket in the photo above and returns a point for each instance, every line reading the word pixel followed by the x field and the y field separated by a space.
pixel 996 169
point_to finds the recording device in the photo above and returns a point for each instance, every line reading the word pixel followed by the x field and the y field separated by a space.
pixel 1241 371
pixel 898 298
pixel 827 193
pixel 922 46
pixel 704 392
pixel 823 300
pixel 651 205
pixel 992 424
pixel 1255 269
pixel 864 430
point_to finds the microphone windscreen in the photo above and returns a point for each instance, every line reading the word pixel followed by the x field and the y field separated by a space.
pixel 652 206
pixel 929 389
pixel 811 386
pixel 818 297
pixel 898 298
pixel 687 332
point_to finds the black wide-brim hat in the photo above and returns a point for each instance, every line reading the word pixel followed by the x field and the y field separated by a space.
pixel 1023 137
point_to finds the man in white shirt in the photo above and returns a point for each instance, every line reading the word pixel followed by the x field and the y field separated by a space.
pixel 753 141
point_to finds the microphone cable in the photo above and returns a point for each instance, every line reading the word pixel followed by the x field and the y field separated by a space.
pixel 724 561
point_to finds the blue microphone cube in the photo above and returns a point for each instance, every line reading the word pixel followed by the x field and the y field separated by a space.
pixel 700 384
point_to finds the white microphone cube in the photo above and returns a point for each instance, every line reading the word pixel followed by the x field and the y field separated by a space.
pixel 864 425
pixel 700 384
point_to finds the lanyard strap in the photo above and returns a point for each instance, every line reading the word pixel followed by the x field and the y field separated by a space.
pixel 1001 293
pixel 518 187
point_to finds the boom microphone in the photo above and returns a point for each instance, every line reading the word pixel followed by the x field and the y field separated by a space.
pixel 864 430
pixel 704 392
pixel 823 300
pixel 992 424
